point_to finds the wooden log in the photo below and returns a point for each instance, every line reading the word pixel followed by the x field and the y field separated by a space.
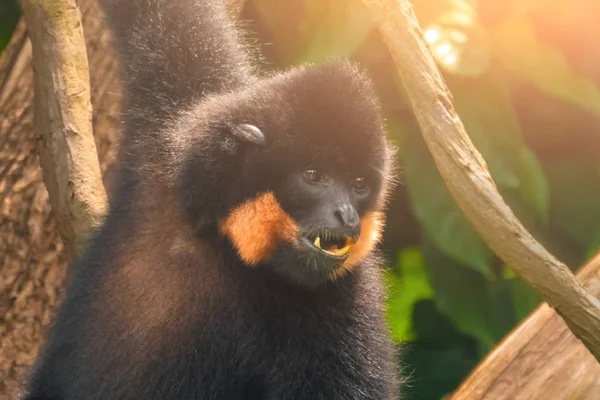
pixel 32 264
pixel 540 359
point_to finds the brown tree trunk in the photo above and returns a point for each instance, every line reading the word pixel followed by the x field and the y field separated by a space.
pixel 32 268
pixel 539 359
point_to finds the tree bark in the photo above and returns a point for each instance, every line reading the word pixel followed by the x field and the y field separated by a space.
pixel 466 174
pixel 32 264
pixel 540 359
pixel 63 120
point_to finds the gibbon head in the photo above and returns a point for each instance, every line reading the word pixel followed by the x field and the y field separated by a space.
pixel 309 170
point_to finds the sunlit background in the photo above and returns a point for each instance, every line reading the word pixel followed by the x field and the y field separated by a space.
pixel 525 78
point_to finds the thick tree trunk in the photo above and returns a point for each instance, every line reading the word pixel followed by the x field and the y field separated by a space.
pixel 540 359
pixel 32 268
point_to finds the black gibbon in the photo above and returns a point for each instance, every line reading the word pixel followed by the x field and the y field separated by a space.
pixel 238 257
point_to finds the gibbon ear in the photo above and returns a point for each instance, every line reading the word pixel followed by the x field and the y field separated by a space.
pixel 249 133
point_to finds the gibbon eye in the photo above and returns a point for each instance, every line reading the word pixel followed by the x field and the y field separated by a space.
pixel 313 176
pixel 360 185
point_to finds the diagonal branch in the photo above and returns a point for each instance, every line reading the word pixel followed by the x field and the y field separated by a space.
pixel 468 179
pixel 63 119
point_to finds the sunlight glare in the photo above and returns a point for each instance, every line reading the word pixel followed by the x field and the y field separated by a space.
pixel 432 35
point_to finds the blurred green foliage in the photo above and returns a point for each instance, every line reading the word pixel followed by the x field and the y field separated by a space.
pixel 9 14
pixel 525 79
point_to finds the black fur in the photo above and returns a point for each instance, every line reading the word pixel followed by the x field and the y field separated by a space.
pixel 161 306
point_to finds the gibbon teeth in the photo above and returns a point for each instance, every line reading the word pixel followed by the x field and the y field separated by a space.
pixel 318 242
pixel 334 251
pixel 338 252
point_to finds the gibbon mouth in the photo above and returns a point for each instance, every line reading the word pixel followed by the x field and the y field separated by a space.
pixel 333 244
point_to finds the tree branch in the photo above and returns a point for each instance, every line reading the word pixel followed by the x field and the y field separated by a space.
pixel 63 119
pixel 468 179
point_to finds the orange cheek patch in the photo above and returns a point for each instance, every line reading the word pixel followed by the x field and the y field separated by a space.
pixel 257 227
pixel 371 227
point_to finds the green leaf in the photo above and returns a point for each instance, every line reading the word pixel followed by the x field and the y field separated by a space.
pixel 395 131
pixel 534 185
pixel 489 117
pixel 501 316
pixel 575 199
pixel 439 363
pixel 521 51
pixel 406 285
pixel 524 298
pixel 492 125
pixel 433 327
pixel 436 210
pixel 477 306
pixel 594 248
pixel 9 16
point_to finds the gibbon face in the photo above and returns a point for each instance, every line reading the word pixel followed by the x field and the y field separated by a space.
pixel 314 176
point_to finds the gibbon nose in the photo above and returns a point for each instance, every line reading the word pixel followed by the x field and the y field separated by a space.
pixel 348 217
